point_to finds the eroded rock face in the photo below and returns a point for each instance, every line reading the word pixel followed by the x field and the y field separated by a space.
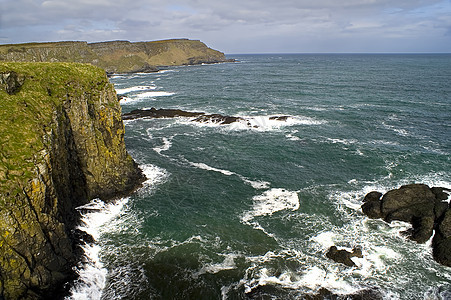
pixel 65 146
pixel 421 206
pixel 11 82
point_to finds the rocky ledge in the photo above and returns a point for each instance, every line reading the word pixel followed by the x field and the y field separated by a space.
pixel 424 207
pixel 62 145
pixel 200 117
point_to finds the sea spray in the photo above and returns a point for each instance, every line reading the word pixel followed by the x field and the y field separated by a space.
pixel 92 274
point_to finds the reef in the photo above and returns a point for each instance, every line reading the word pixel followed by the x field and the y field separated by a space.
pixel 423 207
pixel 62 144
pixel 117 56
pixel 200 117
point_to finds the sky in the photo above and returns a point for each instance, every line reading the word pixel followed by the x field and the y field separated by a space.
pixel 239 26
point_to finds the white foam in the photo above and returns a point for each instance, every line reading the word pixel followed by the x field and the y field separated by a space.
pixel 325 239
pixel 154 94
pixel 92 274
pixel 271 201
pixel 208 168
pixel 227 264
pixel 260 123
pixel 134 89
pixel 165 147
pixel 98 219
pixel 255 184
pixel 155 175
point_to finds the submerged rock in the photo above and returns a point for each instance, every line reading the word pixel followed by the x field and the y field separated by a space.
pixel 421 206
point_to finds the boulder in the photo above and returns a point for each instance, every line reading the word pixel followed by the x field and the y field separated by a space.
pixel 421 206
pixel 344 256
pixel 372 206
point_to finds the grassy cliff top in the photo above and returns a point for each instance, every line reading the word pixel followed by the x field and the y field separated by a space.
pixel 116 56
pixel 26 115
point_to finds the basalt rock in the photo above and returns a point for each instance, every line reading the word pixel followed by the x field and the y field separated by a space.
pixel 421 206
pixel 62 145
pixel 200 117
pixel 173 113
pixel 344 256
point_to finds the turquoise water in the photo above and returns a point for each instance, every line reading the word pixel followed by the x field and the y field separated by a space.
pixel 238 211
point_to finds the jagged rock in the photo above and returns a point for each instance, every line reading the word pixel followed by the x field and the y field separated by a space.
pixel 64 148
pixel 421 206
pixel 159 113
pixel 279 118
pixel 344 256
pixel 172 113
pixel 218 119
pixel 11 81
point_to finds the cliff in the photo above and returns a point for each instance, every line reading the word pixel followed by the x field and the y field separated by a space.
pixel 116 56
pixel 62 144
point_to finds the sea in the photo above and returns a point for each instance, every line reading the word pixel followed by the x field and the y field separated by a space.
pixel 249 209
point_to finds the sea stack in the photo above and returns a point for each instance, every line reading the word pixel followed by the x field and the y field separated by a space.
pixel 62 144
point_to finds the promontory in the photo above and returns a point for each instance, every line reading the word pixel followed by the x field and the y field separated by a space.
pixel 116 56
pixel 62 144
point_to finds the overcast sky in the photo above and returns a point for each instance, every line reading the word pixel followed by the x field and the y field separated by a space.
pixel 238 26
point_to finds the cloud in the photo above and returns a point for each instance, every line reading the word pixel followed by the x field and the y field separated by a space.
pixel 237 26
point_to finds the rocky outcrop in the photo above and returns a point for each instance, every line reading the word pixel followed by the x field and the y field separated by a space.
pixel 116 56
pixel 200 117
pixel 421 206
pixel 62 145
pixel 344 256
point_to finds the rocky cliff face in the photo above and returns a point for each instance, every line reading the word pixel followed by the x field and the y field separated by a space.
pixel 116 56
pixel 62 144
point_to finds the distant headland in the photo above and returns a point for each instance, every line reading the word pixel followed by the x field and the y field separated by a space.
pixel 116 56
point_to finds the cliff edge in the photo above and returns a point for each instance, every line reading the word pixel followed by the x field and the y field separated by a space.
pixel 62 144
pixel 116 56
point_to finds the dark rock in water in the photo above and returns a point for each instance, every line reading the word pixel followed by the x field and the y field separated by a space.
pixel 279 118
pixel 218 119
pixel 12 82
pixel 442 240
pixel 344 256
pixel 372 206
pixel 421 206
pixel 159 113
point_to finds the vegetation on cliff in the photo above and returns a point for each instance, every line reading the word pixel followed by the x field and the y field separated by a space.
pixel 62 143
pixel 116 56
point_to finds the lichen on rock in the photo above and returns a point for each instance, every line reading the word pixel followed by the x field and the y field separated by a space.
pixel 62 144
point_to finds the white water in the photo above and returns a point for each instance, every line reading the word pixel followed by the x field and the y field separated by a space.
pixel 97 220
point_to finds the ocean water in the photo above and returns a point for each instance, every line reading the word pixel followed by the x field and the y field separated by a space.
pixel 249 210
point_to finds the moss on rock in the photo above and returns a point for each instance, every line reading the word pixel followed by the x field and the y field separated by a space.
pixel 62 144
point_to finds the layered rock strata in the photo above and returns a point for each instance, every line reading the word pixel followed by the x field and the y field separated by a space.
pixel 62 144
pixel 116 56
pixel 423 207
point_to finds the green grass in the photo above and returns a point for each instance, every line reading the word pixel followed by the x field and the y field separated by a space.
pixel 26 118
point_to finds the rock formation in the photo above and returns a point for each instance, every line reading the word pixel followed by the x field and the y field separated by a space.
pixel 344 256
pixel 421 206
pixel 62 144
pixel 200 117
pixel 116 56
